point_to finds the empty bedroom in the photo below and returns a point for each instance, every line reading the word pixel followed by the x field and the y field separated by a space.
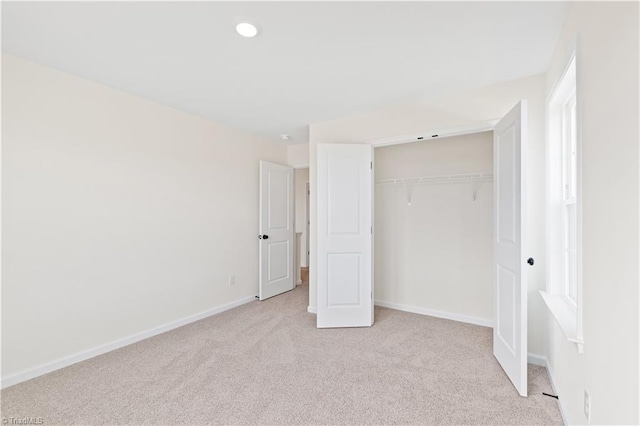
pixel 422 212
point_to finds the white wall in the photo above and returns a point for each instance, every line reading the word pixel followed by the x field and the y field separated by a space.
pixel 301 177
pixel 298 155
pixel 435 254
pixel 461 110
pixel 607 95
pixel 119 214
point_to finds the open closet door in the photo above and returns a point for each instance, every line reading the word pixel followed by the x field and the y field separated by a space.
pixel 276 230
pixel 345 240
pixel 510 281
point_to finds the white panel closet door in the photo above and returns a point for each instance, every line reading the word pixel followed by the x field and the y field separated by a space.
pixel 276 230
pixel 510 280
pixel 345 240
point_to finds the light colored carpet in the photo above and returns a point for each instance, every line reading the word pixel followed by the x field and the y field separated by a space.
pixel 266 363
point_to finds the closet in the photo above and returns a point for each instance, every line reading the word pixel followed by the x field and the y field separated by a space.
pixel 437 235
pixel 433 215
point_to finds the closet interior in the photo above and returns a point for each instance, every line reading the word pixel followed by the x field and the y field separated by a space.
pixel 433 221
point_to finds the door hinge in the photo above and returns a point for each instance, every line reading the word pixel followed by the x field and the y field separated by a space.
pixel 372 229
pixel 371 164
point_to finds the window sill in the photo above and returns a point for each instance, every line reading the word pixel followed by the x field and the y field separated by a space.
pixel 565 316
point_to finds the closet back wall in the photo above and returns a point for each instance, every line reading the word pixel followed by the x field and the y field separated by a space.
pixel 435 255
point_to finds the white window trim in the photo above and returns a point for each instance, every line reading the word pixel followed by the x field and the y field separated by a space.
pixel 567 314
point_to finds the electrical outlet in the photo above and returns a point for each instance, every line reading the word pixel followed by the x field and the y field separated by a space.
pixel 587 406
pixel 232 280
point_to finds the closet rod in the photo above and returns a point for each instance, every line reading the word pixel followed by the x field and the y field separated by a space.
pixel 464 177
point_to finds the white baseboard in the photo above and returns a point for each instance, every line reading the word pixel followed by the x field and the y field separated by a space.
pixel 555 391
pixel 312 309
pixel 298 282
pixel 543 361
pixel 31 373
pixel 536 359
pixel 433 313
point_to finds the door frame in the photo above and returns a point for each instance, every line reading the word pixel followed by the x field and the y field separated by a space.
pixel 429 134
pixel 307 217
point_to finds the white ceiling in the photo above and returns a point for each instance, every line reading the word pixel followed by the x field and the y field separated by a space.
pixel 312 61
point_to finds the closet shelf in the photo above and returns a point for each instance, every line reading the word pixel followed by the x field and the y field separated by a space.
pixel 439 179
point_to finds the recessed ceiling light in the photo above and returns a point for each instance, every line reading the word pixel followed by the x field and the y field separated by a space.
pixel 246 29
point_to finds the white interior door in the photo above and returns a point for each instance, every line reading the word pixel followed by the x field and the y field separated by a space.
pixel 510 281
pixel 345 235
pixel 276 230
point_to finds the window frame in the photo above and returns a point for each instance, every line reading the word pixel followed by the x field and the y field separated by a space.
pixel 569 198
pixel 563 296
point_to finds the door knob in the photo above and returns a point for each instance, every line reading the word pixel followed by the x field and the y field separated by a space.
pixel 530 261
pixel 263 237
